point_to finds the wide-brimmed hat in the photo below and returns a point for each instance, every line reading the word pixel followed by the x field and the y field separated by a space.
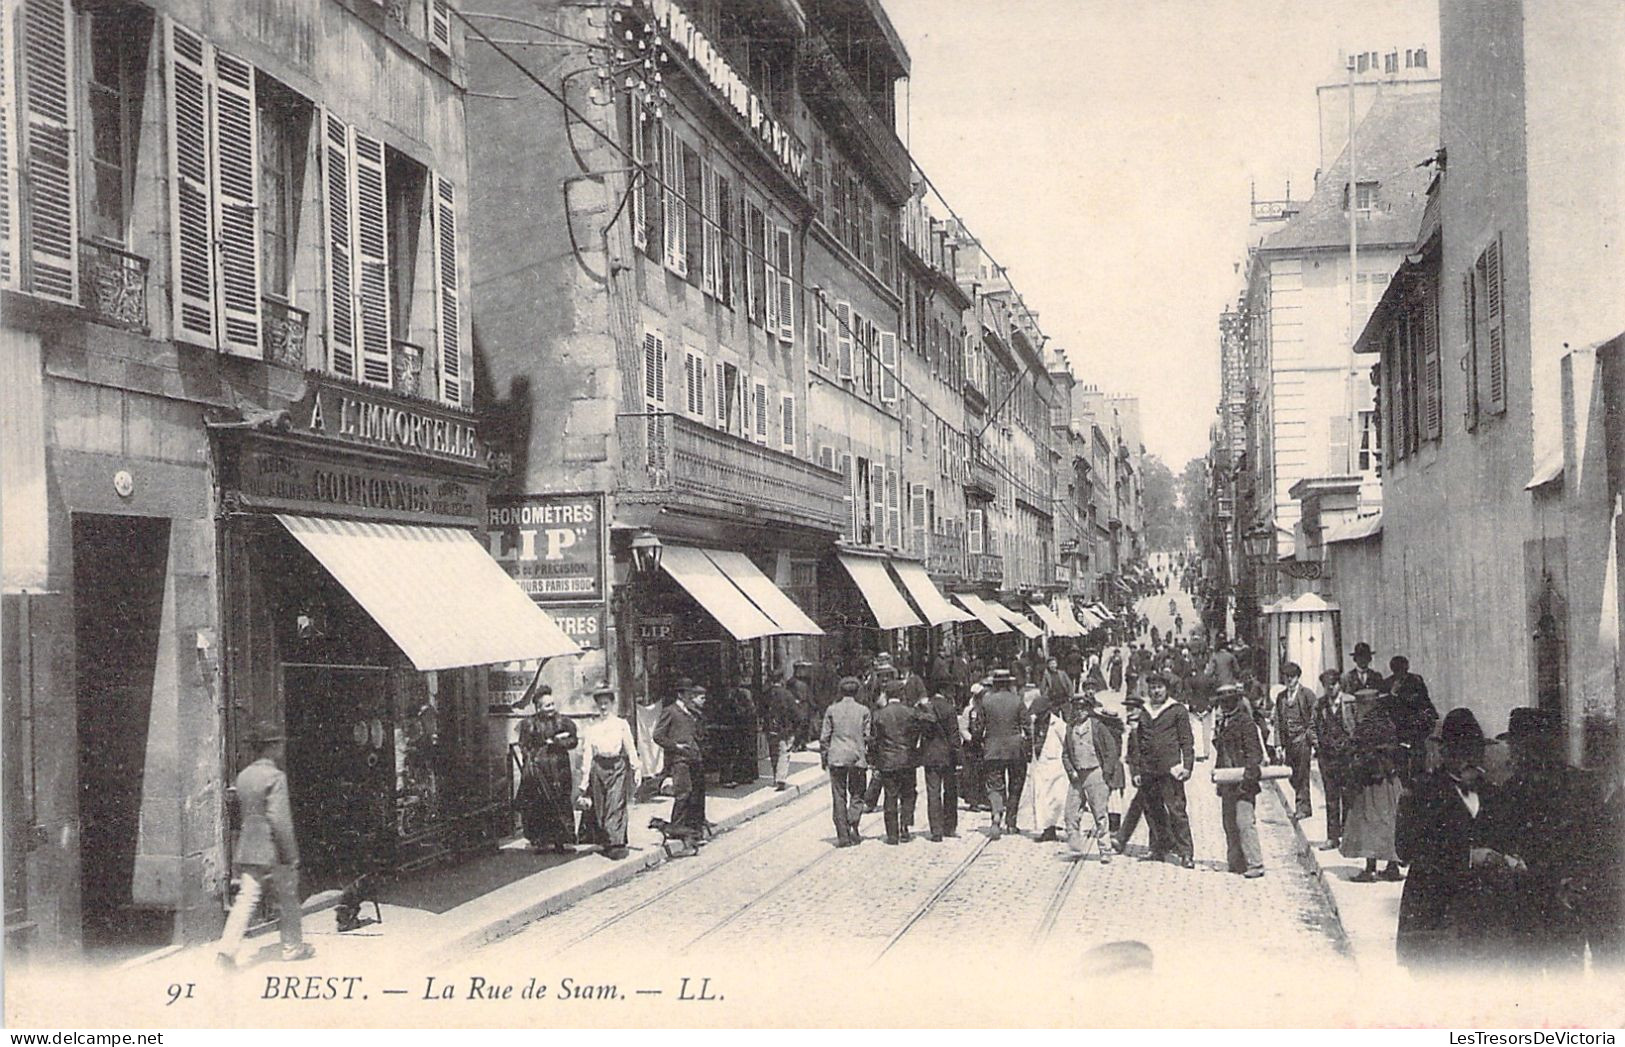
pixel 1526 722
pixel 603 688
pixel 1367 693
pixel 1460 728
pixel 1361 648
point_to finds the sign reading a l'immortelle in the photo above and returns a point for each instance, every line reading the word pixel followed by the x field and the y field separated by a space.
pixel 551 544
pixel 378 418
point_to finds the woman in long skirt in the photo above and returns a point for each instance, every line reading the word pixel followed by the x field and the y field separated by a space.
pixel 543 800
pixel 609 772
pixel 1372 792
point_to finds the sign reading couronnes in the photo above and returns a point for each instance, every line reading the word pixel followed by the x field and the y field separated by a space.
pixel 551 544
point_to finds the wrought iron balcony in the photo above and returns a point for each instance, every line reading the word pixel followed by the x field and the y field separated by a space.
pixel 113 284
pixel 282 333
pixel 414 371
pixel 669 459
pixel 831 89
pixel 982 478
pixel 985 567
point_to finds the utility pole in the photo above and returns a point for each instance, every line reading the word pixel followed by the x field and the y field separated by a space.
pixel 1351 443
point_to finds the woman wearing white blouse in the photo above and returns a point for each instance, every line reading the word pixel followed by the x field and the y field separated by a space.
pixel 610 770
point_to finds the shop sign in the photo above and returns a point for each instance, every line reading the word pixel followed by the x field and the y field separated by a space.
pixel 656 628
pixel 551 544
pixel 680 29
pixel 275 478
pixel 367 418
pixel 583 623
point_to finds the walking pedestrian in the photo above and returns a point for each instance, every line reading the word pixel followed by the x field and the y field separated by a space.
pixel 1295 734
pixel 1444 908
pixel 678 733
pixel 1001 727
pixel 1333 735
pixel 973 776
pixel 1133 760
pixel 1241 746
pixel 1114 670
pixel 1091 754
pixel 736 730
pixel 1362 677
pixel 843 750
pixel 1376 759
pixel 543 799
pixel 1164 758
pixel 940 749
pixel 266 851
pixel 609 772
pixel 893 744
pixel 1047 776
pixel 780 723
pixel 1412 712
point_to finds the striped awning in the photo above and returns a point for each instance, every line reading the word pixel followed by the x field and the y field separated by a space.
pixel 1063 611
pixel 1089 619
pixel 986 615
pixel 713 590
pixel 1052 621
pixel 434 590
pixel 767 597
pixel 937 611
pixel 891 611
pixel 1023 624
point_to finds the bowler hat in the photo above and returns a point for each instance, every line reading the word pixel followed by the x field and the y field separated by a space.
pixel 264 733
pixel 1525 722
pixel 1003 676
pixel 1460 728
pixel 1362 648
pixel 685 683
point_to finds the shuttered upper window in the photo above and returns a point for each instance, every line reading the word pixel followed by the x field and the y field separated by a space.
pixel 116 44
pixel 41 149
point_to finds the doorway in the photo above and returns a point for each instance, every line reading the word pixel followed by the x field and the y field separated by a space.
pixel 119 569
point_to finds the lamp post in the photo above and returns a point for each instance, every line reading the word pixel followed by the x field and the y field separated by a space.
pixel 646 550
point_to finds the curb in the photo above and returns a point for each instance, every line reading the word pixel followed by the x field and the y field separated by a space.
pixel 498 927
pixel 1311 866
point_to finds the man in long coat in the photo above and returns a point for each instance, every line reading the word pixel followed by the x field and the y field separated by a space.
pixel 1001 725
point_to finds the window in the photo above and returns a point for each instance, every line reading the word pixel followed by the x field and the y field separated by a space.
pixel 1491 320
pixel 844 340
pixel 862 501
pixel 711 242
pixel 759 411
pixel 888 366
pixel 1365 196
pixel 694 378
pixel 645 133
pixel 673 175
pixel 787 288
pixel 787 422
pixel 405 183
pixel 694 225
pixel 117 40
pixel 1369 459
pixel 284 136
pixel 730 414
pixel 726 248
pixel 756 263
pixel 821 328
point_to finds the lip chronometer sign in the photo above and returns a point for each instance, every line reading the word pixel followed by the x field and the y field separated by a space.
pixel 551 545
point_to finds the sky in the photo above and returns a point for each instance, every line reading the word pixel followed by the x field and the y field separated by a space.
pixel 1104 151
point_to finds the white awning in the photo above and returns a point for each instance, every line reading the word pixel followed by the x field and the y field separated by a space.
pixel 1088 619
pixel 723 600
pixel 1357 529
pixel 1023 624
pixel 937 611
pixel 767 597
pixel 891 611
pixel 1103 611
pixel 1052 621
pixel 1063 610
pixel 434 590
pixel 1547 469
pixel 986 615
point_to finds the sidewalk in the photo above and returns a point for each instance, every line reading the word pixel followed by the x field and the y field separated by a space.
pixel 444 911
pixel 1369 912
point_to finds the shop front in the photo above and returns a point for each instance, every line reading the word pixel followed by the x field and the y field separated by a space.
pixel 360 607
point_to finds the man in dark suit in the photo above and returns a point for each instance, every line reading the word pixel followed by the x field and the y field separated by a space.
pixel 1002 727
pixel 844 741
pixel 897 729
pixel 1295 734
pixel 1362 677
pixel 678 733
pixel 1413 713
pixel 1241 746
pixel 266 850
pixel 939 754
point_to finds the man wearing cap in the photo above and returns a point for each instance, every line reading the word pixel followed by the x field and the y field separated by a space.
pixel 266 851
pixel 1295 734
pixel 1333 733
pixel 896 738
pixel 1362 676
pixel 1240 745
pixel 1092 756
pixel 678 733
pixel 1001 726
pixel 1166 753
pixel 1133 758
pixel 1545 815
pixel 844 746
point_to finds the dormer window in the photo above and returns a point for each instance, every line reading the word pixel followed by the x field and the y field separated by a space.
pixel 1365 197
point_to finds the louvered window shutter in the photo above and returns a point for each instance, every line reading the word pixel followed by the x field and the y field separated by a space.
pixel 973 531
pixel 671 170
pixel 191 216
pixel 725 245
pixel 787 422
pixel 759 411
pixel 711 244
pixel 50 152
pixel 654 372
pixel 826 457
pixel 654 154
pixel 851 501
pixel 448 294
pixel 440 26
pixel 236 205
pixel 1495 326
pixel 1469 359
pixel 340 220
pixel 10 257
pixel 877 505
pixel 888 366
pixel 894 509
pixel 372 260
pixel 639 204
pixel 770 288
pixel 1432 387
pixel 1337 448
pixel 787 287
pixel 820 307
pixel 693 215
pixel 916 519
pixel 720 389
pixel 843 338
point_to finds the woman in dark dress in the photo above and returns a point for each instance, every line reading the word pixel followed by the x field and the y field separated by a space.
pixel 545 810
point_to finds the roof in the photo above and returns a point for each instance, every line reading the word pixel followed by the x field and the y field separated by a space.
pixel 1357 529
pixel 1398 132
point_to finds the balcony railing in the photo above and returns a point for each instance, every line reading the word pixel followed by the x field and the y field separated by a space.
pixel 666 458
pixel 985 567
pixel 982 477
pixel 414 371
pixel 113 284
pixel 830 87
pixel 282 333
